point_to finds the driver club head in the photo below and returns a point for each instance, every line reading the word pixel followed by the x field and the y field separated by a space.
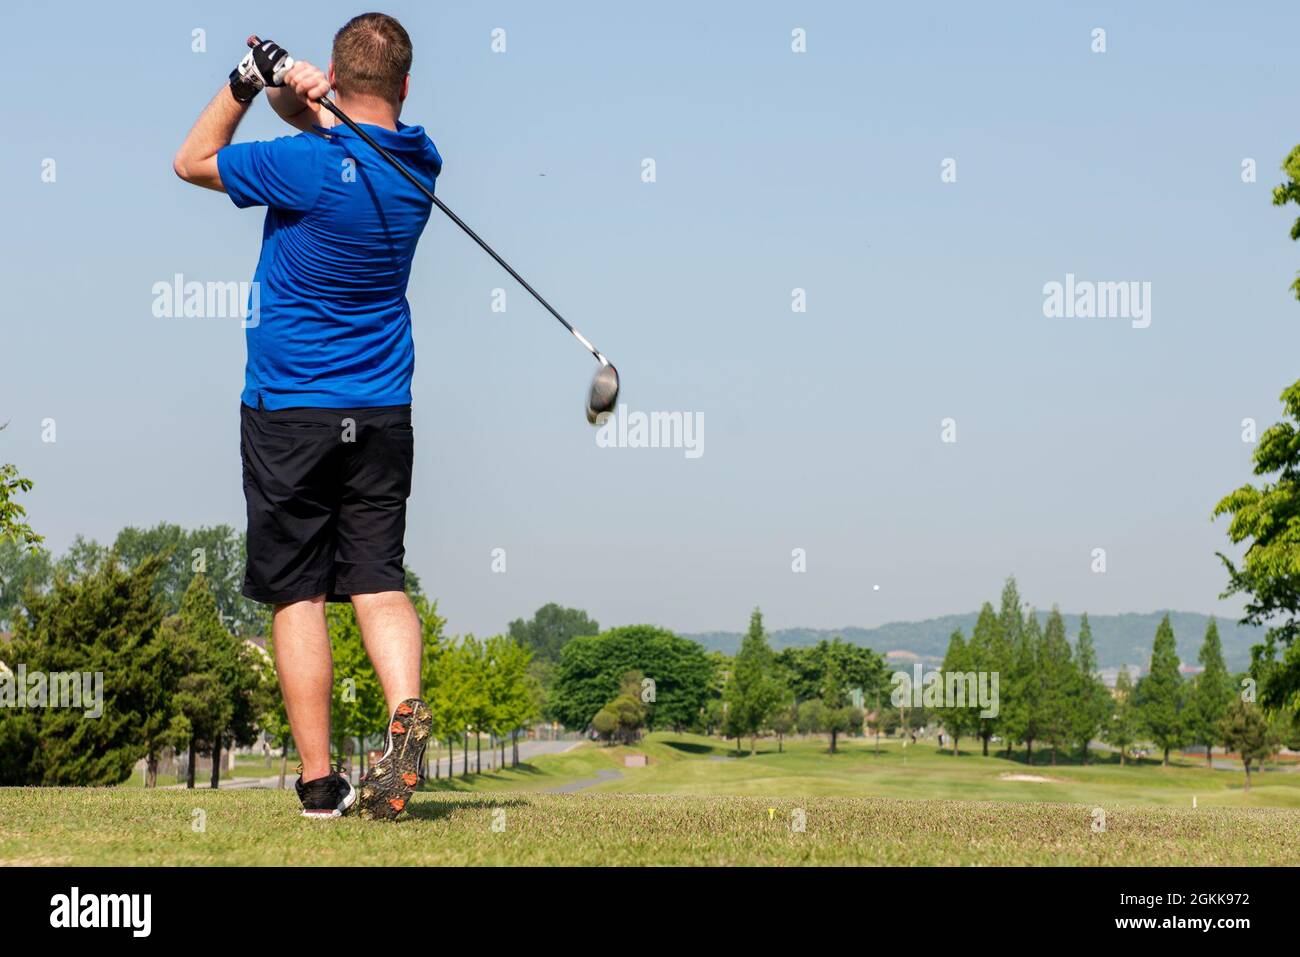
pixel 604 394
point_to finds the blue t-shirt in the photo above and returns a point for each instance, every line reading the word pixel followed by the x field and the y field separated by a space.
pixel 331 326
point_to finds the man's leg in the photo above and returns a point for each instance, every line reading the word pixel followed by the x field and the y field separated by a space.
pixel 390 629
pixel 306 669
pixel 368 568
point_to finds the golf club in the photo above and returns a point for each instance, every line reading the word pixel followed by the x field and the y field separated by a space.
pixel 605 385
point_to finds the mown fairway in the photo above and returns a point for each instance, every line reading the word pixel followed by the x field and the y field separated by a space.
pixel 120 826
pixel 696 765
pixel 695 804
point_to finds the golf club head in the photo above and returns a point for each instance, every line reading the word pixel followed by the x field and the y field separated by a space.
pixel 604 394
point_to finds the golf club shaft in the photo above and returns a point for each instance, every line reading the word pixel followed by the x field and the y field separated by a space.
pixel 397 165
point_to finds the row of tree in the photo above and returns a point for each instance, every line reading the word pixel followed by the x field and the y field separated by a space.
pixel 1050 691
pixel 180 674
pixel 1053 694
pixel 172 678
pixel 626 680
pixel 182 678
pixel 808 689
pixel 480 687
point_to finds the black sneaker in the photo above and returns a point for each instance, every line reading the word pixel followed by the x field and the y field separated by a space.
pixel 329 796
pixel 392 779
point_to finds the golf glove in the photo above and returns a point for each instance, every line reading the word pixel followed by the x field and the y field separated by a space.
pixel 264 65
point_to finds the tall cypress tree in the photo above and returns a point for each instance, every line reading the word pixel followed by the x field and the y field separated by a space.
pixel 1006 653
pixel 1211 694
pixel 1123 727
pixel 203 698
pixel 982 653
pixel 1059 683
pixel 1161 694
pixel 957 719
pixel 1092 703
pixel 1025 709
pixel 755 690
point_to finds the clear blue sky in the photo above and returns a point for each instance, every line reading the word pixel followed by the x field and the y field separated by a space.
pixel 775 171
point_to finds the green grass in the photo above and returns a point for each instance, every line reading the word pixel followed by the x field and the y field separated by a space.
pixel 696 765
pixel 699 803
pixel 547 771
pixel 118 826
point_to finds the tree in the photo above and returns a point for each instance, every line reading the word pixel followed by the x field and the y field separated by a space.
pixel 1124 725
pixel 89 631
pixel 550 629
pixel 805 668
pixel 1024 719
pixel 1267 519
pixel 605 723
pixel 783 719
pixel 449 700
pixel 592 667
pixel 1060 683
pixel 845 719
pixel 1090 704
pixel 1288 729
pixel 250 680
pixel 830 672
pixel 222 689
pixel 983 651
pixel 874 721
pixel 906 719
pixel 513 691
pixel 958 719
pixel 13 517
pixel 810 716
pixel 754 690
pixel 802 668
pixel 479 712
pixel 838 715
pixel 358 707
pixel 711 716
pixel 1212 693
pixel 731 726
pixel 1007 648
pixel 275 722
pixel 218 553
pixel 434 647
pixel 22 567
pixel 1161 694
pixel 83 558
pixel 161 667
pixel 622 718
pixel 1248 732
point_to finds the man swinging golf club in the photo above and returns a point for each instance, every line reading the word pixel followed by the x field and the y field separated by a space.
pixel 326 434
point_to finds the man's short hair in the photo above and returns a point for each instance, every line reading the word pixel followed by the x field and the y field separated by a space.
pixel 372 55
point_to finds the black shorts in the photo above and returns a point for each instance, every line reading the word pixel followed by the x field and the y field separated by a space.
pixel 326 492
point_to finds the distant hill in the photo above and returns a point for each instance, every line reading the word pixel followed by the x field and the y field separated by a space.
pixel 1120 639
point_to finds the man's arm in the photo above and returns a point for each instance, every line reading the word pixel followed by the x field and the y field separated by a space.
pixel 265 65
pixel 297 101
pixel 196 160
